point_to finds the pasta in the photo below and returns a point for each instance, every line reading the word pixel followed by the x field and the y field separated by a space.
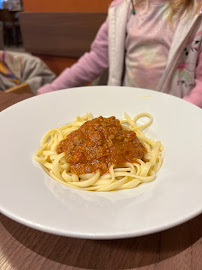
pixel 127 176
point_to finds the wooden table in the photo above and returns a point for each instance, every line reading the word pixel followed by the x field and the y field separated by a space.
pixel 23 248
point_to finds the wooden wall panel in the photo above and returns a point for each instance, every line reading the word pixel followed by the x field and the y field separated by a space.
pixel 59 34
pixel 66 5
pixel 55 62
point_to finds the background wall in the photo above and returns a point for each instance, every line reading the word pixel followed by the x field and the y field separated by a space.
pixel 58 64
pixel 66 5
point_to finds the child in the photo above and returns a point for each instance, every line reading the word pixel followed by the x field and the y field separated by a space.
pixel 17 68
pixel 153 44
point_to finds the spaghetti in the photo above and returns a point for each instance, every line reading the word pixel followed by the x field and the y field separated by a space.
pixel 68 160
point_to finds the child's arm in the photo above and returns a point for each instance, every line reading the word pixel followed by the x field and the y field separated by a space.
pixel 195 96
pixel 88 67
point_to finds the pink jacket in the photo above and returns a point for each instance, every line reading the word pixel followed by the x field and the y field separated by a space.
pixel 182 76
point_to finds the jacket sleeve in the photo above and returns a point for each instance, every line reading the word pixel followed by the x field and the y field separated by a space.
pixel 87 68
pixel 195 95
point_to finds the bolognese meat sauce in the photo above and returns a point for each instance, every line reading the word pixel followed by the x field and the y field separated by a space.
pixel 98 144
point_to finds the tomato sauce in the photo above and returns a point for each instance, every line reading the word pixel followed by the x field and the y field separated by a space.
pixel 98 144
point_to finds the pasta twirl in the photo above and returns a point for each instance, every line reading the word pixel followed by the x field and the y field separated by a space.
pixel 126 176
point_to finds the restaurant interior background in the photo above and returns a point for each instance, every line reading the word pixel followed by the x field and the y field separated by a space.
pixel 16 37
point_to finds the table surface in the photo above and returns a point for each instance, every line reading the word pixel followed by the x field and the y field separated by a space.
pixel 25 248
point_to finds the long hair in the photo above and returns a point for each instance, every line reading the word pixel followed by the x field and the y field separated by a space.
pixel 177 7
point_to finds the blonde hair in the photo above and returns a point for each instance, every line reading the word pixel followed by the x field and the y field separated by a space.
pixel 178 7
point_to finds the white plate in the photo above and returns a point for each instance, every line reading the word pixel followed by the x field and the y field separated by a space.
pixel 32 198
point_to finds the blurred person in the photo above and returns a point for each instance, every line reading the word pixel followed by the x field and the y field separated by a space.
pixel 152 44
